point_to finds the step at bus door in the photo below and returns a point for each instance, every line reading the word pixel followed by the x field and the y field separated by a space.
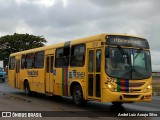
pixel 94 73
pixel 49 74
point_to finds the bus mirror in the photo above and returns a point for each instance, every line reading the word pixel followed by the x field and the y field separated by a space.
pixel 107 52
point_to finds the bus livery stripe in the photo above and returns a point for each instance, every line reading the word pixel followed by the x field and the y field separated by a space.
pixel 122 85
pixel 118 85
pixel 67 44
pixel 127 85
pixel 65 81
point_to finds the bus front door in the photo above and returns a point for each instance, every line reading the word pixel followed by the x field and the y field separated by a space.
pixel 49 84
pixel 94 73
pixel 16 83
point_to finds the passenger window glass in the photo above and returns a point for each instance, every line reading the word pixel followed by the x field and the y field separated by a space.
pixel 29 60
pixel 77 55
pixel 39 60
pixel 12 63
pixel 23 61
pixel 62 57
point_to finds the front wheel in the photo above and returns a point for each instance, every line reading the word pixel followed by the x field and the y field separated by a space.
pixel 78 96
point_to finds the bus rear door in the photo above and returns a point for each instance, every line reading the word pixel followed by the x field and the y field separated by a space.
pixel 49 84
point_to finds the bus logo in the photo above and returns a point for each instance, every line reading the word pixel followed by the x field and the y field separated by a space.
pixel 131 90
pixel 32 73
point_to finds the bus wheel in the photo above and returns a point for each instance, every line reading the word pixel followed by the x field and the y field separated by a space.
pixel 77 96
pixel 27 88
pixel 117 103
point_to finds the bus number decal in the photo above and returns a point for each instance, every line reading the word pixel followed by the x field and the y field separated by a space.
pixel 94 44
pixel 75 74
pixel 109 80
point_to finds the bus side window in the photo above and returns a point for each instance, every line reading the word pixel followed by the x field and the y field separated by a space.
pixel 39 59
pixel 66 55
pixel 77 55
pixel 29 60
pixel 23 62
pixel 12 63
pixel 62 57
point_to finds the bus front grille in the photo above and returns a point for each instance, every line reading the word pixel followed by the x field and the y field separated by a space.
pixel 130 96
pixel 137 84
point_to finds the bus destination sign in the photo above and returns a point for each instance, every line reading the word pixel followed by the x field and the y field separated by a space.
pixel 127 41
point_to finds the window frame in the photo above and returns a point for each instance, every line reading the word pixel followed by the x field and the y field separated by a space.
pixel 12 63
pixel 72 55
pixel 23 67
pixel 32 61
pixel 63 57
pixel 41 67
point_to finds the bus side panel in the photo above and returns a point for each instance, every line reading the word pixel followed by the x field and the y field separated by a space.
pixel 58 81
pixel 11 78
pixel 23 76
pixel 78 74
pixel 37 83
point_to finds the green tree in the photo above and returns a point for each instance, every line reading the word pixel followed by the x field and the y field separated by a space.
pixel 18 42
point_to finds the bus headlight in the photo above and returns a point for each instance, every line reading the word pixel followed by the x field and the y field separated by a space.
pixel 148 88
pixel 110 86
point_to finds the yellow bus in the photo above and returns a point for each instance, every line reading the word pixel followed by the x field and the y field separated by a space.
pixel 106 68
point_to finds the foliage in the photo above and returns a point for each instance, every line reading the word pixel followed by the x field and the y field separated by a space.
pixel 18 42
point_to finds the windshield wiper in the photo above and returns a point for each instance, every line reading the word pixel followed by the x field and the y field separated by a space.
pixel 139 52
pixel 122 50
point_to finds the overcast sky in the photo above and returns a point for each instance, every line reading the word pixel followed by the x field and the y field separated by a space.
pixel 62 20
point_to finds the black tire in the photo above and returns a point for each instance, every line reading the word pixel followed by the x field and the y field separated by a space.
pixel 27 88
pixel 117 103
pixel 77 96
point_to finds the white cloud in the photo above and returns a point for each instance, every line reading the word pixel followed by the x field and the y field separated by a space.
pixel 45 3
pixel 63 20
pixel 70 19
pixel 22 27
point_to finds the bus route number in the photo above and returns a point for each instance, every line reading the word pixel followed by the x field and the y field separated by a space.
pixel 94 44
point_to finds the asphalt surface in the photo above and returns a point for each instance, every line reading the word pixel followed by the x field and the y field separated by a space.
pixel 15 100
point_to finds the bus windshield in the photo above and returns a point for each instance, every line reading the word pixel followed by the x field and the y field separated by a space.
pixel 128 63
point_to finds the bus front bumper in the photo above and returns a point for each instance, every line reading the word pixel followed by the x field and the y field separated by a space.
pixel 109 96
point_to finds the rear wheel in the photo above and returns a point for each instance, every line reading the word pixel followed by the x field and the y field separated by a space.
pixel 78 96
pixel 27 88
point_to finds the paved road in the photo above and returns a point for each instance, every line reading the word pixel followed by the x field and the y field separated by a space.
pixel 15 100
